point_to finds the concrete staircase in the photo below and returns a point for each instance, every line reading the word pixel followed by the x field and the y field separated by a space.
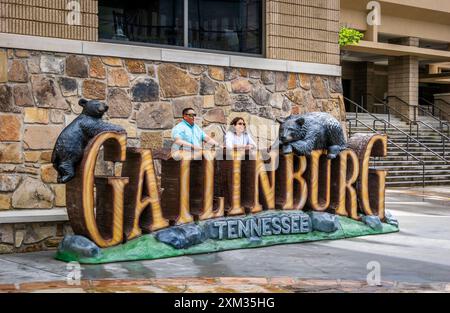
pixel 404 170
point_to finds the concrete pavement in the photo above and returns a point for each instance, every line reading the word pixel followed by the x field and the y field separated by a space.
pixel 418 258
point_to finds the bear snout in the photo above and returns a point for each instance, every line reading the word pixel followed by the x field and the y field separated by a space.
pixel 285 138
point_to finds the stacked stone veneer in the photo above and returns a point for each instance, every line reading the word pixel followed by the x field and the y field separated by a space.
pixel 39 96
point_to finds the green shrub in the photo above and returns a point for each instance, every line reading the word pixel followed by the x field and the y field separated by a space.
pixel 349 36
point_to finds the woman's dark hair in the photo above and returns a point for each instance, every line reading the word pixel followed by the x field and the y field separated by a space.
pixel 236 120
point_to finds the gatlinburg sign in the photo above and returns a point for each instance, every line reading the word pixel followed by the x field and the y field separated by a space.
pixel 214 200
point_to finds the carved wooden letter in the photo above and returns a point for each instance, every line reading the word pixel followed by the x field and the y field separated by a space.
pixel 291 188
pixel 319 176
pixel 259 180
pixel 185 182
pixel 109 207
pixel 81 208
pixel 344 173
pixel 208 189
pixel 365 146
pixel 236 207
pixel 142 194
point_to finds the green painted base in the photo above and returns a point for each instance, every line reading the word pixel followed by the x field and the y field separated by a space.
pixel 148 248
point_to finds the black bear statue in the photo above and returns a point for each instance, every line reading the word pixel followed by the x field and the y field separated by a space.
pixel 72 141
pixel 310 131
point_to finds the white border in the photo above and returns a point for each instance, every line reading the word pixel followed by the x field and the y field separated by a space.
pixel 13 41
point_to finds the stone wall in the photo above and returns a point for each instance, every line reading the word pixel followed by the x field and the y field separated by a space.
pixel 30 237
pixel 40 94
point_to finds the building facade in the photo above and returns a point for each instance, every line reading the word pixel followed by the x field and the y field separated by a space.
pixel 148 60
pixel 406 56
pixel 259 59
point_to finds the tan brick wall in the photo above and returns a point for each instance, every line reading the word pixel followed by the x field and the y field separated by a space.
pixel 297 30
pixel 48 18
pixel 303 30
pixel 403 78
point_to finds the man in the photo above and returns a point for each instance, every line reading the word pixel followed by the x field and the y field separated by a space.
pixel 188 135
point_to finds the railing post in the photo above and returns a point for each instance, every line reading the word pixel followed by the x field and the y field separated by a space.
pixel 389 114
pixel 423 175
pixel 407 143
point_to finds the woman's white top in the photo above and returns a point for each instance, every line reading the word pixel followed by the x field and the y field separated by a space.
pixel 232 139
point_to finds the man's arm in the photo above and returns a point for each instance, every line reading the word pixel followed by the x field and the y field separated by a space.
pixel 184 143
pixel 177 135
pixel 211 141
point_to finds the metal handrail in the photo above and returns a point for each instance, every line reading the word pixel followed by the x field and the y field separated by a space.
pixel 404 102
pixel 429 103
pixel 383 102
pixel 389 140
pixel 386 106
pixel 376 98
pixel 358 106
pixel 398 129
pixel 408 154
pixel 446 102
pixel 376 118
pixel 416 107
pixel 417 141
pixel 443 137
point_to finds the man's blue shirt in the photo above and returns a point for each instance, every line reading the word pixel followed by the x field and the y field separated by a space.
pixel 190 133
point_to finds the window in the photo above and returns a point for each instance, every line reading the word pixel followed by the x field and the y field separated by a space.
pixel 149 21
pixel 226 25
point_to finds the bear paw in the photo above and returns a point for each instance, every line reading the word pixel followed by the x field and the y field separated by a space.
pixel 333 151
pixel 64 179
pixel 287 149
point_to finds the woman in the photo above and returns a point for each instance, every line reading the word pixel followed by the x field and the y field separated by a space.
pixel 237 135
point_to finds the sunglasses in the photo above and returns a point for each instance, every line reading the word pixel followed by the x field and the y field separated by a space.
pixel 191 114
pixel 241 124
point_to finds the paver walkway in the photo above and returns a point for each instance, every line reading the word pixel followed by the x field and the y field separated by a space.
pixel 222 285
pixel 417 259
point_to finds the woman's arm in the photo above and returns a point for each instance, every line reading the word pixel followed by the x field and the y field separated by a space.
pixel 229 136
pixel 251 143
